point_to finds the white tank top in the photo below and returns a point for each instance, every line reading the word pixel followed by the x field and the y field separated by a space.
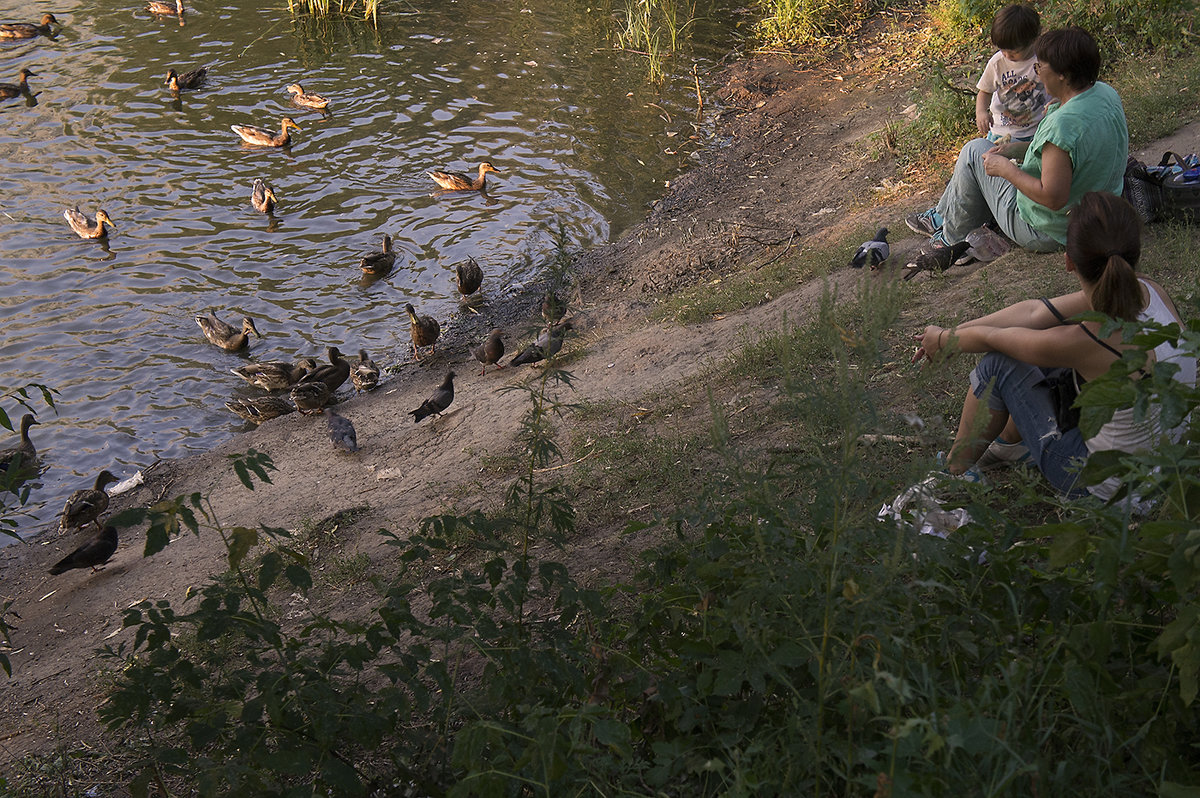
pixel 1122 432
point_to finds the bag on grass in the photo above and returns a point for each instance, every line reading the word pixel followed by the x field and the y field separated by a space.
pixel 1169 191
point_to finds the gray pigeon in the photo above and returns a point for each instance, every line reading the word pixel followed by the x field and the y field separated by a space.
pixel 341 432
pixel 546 346
pixel 937 259
pixel 490 351
pixel 874 252
pixel 92 554
pixel 438 401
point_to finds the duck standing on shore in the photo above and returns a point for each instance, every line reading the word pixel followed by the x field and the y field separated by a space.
pixel 423 329
pixel 261 137
pixel 19 463
pixel 28 30
pixel 365 374
pixel 226 336
pixel 87 227
pixel 469 277
pixel 453 181
pixel 333 373
pixel 87 505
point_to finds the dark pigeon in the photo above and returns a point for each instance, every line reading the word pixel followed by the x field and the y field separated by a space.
pixel 438 401
pixel 92 554
pixel 546 346
pixel 874 252
pixel 937 259
pixel 341 432
pixel 490 351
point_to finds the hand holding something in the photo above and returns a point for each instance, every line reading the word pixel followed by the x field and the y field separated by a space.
pixel 930 342
pixel 997 164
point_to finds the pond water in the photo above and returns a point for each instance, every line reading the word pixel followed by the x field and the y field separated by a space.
pixel 582 141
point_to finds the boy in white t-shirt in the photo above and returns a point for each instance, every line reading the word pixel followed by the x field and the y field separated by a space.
pixel 1011 99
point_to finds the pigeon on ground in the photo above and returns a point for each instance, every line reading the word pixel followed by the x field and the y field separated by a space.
pixel 546 346
pixel 92 554
pixel 333 373
pixel 341 432
pixel 874 252
pixel 438 401
pixel 86 506
pixel 469 277
pixel 937 259
pixel 364 375
pixel 424 330
pixel 490 351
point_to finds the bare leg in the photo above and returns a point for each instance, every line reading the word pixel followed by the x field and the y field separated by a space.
pixel 971 441
pixel 1011 434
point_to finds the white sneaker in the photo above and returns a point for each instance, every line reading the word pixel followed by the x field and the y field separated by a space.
pixel 999 453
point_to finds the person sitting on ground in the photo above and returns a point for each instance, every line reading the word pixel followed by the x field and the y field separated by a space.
pixel 1081 145
pixel 1024 341
pixel 1012 98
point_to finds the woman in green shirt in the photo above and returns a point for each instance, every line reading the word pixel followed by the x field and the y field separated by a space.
pixel 1081 145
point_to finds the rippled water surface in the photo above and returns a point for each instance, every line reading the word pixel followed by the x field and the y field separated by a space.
pixel 581 139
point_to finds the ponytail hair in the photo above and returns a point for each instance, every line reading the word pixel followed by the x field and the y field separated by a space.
pixel 1104 241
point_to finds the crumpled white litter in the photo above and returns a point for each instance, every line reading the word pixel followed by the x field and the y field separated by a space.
pixel 919 509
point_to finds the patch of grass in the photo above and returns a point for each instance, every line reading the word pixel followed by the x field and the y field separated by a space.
pixel 753 286
pixel 342 571
pixel 313 534
pixel 1159 92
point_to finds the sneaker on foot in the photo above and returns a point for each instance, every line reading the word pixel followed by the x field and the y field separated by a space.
pixel 926 223
pixel 999 453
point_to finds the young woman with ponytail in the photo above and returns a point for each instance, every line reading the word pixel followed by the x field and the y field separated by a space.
pixel 1026 340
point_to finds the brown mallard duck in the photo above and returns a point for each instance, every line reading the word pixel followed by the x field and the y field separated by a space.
pixel 490 351
pixel 333 373
pixel 275 375
pixel 311 397
pixel 305 100
pixel 28 30
pixel 365 374
pixel 87 227
pixel 261 137
pixel 93 554
pixel 378 264
pixel 19 463
pixel 469 276
pixel 226 336
pixel 86 506
pixel 553 307
pixel 437 402
pixel 424 330
pixel 164 9
pixel 188 80
pixel 453 181
pixel 18 89
pixel 262 196
pixel 258 409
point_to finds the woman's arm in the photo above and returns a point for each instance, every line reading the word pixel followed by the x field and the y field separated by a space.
pixel 1032 313
pixel 1057 346
pixel 1052 189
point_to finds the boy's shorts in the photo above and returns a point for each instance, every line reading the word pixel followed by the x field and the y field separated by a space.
pixel 993 137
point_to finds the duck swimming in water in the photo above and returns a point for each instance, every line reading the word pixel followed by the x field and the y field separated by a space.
pixel 86 226
pixel 227 336
pixel 188 80
pixel 453 181
pixel 18 463
pixel 262 137
pixel 262 196
pixel 304 99
pixel 28 30
pixel 165 9
pixel 21 87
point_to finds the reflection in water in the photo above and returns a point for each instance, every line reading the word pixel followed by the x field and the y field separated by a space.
pixel 542 95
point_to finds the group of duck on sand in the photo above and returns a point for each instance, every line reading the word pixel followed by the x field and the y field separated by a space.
pixel 311 387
